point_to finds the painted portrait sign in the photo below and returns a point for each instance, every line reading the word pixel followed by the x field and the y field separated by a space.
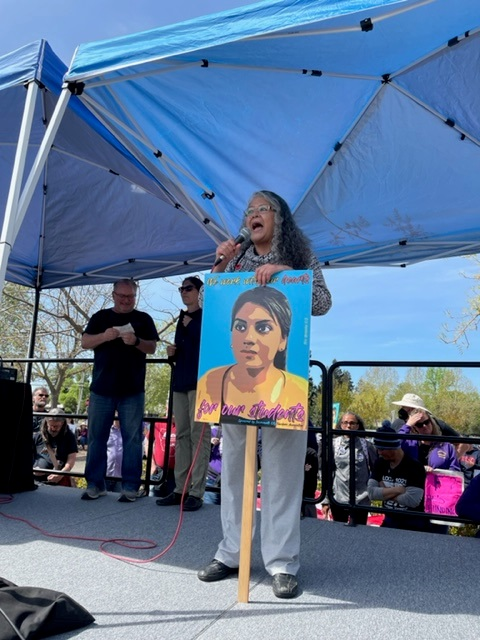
pixel 254 351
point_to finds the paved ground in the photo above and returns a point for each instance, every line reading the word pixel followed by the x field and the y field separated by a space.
pixel 362 583
pixel 80 462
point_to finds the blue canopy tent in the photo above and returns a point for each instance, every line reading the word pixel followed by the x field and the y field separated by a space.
pixel 362 114
pixel 95 214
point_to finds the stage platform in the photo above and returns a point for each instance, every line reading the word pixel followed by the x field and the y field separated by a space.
pixel 360 583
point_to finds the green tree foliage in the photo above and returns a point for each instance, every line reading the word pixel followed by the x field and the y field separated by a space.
pixel 446 392
pixel 314 402
pixel 63 314
pixel 75 392
pixel 451 396
pixel 343 393
pixel 372 398
pixel 343 389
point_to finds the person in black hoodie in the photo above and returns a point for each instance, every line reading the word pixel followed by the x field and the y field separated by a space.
pixel 184 354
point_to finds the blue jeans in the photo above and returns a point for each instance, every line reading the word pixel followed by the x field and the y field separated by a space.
pixel 101 413
pixel 211 497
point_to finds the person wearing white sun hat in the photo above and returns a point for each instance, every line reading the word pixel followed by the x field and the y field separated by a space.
pixel 411 403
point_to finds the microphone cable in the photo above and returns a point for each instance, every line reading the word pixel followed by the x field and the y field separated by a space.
pixel 128 543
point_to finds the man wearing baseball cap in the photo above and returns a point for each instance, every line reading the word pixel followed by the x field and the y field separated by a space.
pixel 398 481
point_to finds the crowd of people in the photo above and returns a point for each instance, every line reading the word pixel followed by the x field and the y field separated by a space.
pixel 393 469
pixel 390 468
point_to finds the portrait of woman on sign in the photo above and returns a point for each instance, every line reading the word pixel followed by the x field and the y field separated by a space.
pixel 257 388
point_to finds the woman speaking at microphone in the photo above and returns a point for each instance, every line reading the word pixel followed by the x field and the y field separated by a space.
pixel 276 244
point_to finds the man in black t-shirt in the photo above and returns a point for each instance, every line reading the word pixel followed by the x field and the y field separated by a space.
pixel 398 481
pixel 120 337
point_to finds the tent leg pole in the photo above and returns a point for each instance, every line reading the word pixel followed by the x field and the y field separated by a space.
pixel 33 335
pixel 11 209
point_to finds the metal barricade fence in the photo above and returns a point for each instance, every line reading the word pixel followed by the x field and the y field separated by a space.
pixel 326 429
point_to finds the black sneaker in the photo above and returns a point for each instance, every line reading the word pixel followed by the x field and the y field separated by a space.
pixel 285 585
pixel 215 571
pixel 170 500
pixel 192 504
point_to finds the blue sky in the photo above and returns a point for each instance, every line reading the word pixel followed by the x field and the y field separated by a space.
pixel 385 314
pixel 378 313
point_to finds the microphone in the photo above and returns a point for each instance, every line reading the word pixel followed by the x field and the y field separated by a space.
pixel 244 234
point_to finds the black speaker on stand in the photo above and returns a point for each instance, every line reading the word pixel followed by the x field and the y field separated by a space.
pixel 16 457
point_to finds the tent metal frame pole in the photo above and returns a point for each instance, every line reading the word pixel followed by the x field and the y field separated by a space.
pixel 433 112
pixel 33 336
pixel 347 29
pixel 202 263
pixel 173 66
pixel 9 230
pixel 196 215
pixel 341 142
pixel 97 78
pixel 42 156
pixel 168 170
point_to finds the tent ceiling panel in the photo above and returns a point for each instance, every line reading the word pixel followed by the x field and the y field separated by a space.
pixel 96 214
pixel 363 115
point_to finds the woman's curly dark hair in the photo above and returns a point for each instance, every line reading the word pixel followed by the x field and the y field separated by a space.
pixel 289 242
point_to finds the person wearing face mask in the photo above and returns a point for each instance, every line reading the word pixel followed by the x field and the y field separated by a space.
pixel 190 434
pixel 276 244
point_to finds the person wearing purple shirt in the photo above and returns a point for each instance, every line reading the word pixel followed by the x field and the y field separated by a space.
pixel 214 466
pixel 433 455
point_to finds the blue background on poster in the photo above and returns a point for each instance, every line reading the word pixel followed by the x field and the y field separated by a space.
pixel 219 298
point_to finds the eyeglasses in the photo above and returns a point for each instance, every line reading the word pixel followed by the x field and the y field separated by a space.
pixel 42 395
pixel 263 208
pixel 420 425
pixel 124 296
pixel 186 288
pixel 348 423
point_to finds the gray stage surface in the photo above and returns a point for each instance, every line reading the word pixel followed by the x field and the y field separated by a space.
pixel 358 583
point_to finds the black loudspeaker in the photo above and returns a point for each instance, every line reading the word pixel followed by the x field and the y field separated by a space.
pixel 16 457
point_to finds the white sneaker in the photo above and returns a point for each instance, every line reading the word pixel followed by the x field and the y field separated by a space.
pixel 92 493
pixel 131 496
